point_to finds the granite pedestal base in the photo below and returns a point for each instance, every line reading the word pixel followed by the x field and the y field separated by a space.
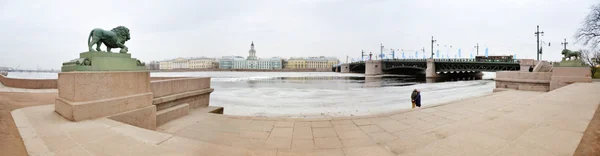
pixel 88 95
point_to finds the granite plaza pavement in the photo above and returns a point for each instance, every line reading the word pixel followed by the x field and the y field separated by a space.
pixel 503 123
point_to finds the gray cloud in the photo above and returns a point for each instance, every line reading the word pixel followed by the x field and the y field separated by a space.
pixel 44 34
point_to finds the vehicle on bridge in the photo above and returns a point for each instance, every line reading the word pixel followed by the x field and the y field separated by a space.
pixel 499 58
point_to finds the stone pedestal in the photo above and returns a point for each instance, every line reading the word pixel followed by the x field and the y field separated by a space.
pixel 562 76
pixel 373 67
pixel 88 95
pixel 103 61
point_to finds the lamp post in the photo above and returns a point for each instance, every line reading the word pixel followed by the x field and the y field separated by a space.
pixel 537 34
pixel 565 43
pixel 362 56
pixel 477 47
pixel 432 41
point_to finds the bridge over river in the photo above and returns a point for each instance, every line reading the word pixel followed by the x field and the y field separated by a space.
pixel 429 67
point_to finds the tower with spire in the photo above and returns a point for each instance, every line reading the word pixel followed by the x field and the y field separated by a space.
pixel 252 52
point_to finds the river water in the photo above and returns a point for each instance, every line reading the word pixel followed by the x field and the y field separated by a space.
pixel 318 94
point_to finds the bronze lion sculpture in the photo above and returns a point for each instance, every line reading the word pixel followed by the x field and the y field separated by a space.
pixel 568 54
pixel 114 38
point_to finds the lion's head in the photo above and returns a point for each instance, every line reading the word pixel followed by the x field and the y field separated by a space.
pixel 122 32
pixel 565 51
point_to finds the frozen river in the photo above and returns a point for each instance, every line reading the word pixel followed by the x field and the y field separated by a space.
pixel 320 93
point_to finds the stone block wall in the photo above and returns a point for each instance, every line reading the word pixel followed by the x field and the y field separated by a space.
pixel 529 81
pixel 562 76
pixel 173 98
pixel 542 81
pixel 161 88
pixel 28 83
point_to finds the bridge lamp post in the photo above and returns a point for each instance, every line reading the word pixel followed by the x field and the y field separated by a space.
pixel 448 52
pixel 432 42
pixel 564 44
pixel 477 47
pixel 537 34
pixel 362 57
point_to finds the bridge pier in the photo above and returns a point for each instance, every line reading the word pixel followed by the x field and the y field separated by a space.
pixel 373 67
pixel 345 68
pixel 430 71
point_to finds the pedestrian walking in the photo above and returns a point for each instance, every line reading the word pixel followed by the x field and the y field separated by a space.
pixel 418 99
pixel 413 98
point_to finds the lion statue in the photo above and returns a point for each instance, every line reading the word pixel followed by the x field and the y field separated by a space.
pixel 114 38
pixel 568 54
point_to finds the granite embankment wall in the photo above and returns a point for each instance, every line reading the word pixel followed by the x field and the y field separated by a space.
pixel 531 81
pixel 175 97
pixel 28 83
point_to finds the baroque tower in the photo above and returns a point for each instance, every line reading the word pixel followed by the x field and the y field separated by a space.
pixel 252 52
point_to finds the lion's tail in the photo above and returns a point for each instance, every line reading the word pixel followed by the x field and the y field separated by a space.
pixel 90 37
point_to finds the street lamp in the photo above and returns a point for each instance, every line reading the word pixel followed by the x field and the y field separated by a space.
pixel 477 46
pixel 537 34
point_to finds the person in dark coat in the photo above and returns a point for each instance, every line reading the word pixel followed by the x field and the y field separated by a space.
pixel 530 68
pixel 418 99
pixel 413 96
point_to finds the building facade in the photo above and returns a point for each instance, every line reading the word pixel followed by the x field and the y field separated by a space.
pixel 164 65
pixel 296 63
pixel 311 62
pixel 202 63
pixel 191 63
pixel 180 63
pixel 250 62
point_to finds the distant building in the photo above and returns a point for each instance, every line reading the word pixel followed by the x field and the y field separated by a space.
pixel 4 69
pixel 202 63
pixel 251 62
pixel 226 62
pixel 153 65
pixel 284 64
pixel 164 65
pixel 311 62
pixel 191 63
pixel 180 63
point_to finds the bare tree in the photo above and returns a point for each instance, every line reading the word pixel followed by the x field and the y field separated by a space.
pixel 589 33
pixel 592 58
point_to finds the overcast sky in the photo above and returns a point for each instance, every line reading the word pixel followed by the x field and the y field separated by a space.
pixel 43 33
